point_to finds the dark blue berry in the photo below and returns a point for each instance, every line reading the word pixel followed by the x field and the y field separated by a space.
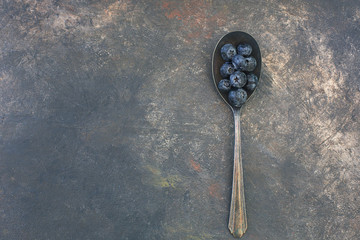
pixel 238 79
pixel 237 97
pixel 228 51
pixel 239 62
pixel 226 70
pixel 252 81
pixel 224 85
pixel 250 64
pixel 244 49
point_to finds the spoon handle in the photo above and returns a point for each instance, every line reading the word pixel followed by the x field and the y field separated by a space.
pixel 237 219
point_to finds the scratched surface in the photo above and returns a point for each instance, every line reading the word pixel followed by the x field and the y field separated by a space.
pixel 110 126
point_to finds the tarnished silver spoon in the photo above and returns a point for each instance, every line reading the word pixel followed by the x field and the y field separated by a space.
pixel 237 218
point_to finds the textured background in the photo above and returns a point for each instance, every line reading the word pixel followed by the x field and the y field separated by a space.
pixel 111 128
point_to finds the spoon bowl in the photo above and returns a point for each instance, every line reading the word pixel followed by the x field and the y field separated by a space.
pixel 235 38
pixel 237 217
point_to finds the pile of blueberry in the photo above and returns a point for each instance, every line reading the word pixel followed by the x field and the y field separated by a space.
pixel 237 73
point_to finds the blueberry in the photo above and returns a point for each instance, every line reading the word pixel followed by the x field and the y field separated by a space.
pixel 224 85
pixel 238 79
pixel 228 51
pixel 239 62
pixel 244 49
pixel 226 69
pixel 252 81
pixel 250 64
pixel 237 97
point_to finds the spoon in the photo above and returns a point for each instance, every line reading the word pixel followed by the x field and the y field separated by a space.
pixel 237 218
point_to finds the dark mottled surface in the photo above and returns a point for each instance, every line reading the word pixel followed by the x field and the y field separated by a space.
pixel 110 126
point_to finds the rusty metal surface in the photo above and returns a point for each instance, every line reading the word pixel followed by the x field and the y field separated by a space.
pixel 111 128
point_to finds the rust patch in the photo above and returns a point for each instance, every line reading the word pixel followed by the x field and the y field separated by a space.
pixel 196 166
pixel 112 11
pixel 194 35
pixel 214 190
pixel 165 5
pixel 197 19
pixel 173 14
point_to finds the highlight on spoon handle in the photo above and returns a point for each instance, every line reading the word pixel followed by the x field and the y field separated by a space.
pixel 237 219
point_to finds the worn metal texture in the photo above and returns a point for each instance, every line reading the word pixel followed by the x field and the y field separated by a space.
pixel 111 128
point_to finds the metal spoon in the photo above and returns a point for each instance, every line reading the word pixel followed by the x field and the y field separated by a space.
pixel 237 218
